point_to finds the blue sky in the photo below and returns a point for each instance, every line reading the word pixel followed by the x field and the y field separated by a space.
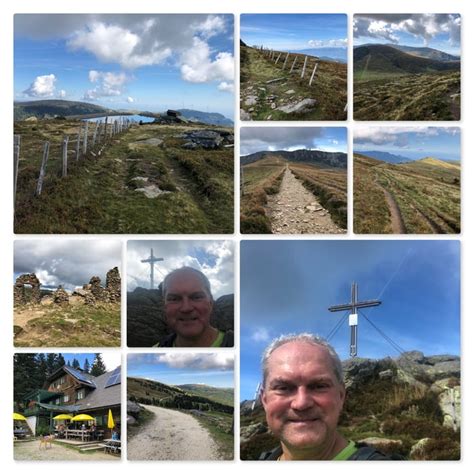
pixel 111 359
pixel 294 31
pixel 287 286
pixel 253 139
pixel 144 62
pixel 178 368
pixel 411 142
pixel 438 31
pixel 215 258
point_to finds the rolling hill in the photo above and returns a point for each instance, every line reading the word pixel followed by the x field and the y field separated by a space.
pixel 51 108
pixel 316 157
pixel 388 59
pixel 217 394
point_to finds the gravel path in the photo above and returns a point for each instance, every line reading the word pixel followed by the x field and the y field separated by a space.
pixel 295 210
pixel 172 435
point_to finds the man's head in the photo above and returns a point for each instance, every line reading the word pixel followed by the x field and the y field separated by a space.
pixel 188 304
pixel 303 394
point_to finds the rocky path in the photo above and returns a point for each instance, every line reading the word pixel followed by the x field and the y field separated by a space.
pixel 172 435
pixel 398 226
pixel 295 210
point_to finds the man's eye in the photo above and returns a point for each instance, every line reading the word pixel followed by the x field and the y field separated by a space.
pixel 197 297
pixel 172 299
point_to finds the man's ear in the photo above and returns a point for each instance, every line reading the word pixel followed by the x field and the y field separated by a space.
pixel 342 393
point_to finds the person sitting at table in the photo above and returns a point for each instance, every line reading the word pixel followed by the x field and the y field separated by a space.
pixel 93 432
pixel 115 435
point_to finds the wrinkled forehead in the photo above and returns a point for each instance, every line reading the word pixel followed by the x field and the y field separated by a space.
pixel 185 280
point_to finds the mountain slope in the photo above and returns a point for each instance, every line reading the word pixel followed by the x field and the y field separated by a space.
pixel 384 156
pixel 321 158
pixel 51 108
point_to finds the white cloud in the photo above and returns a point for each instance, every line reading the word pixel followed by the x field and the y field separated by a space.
pixel 42 86
pixel 211 26
pixel 331 43
pixel 130 100
pixel 226 86
pixel 189 360
pixel 111 360
pixel 391 135
pixel 198 66
pixel 116 44
pixel 261 335
pixel 109 84
pixel 46 278
pixel 62 94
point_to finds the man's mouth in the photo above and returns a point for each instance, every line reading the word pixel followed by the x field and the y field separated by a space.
pixel 187 319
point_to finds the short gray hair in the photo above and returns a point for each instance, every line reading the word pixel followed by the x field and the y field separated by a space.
pixel 205 281
pixel 302 337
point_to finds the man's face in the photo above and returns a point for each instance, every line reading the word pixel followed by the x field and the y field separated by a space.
pixel 302 398
pixel 188 306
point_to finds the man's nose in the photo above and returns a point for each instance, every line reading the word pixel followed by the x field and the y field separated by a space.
pixel 186 305
pixel 302 399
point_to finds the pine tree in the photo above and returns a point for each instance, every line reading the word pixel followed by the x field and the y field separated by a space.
pixel 87 366
pixel 75 364
pixel 98 366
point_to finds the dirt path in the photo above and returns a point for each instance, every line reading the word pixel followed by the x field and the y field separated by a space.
pixel 398 226
pixel 172 435
pixel 295 210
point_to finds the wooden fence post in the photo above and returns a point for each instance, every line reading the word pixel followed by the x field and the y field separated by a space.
pixel 86 133
pixel 286 59
pixel 96 129
pixel 16 163
pixel 277 59
pixel 65 142
pixel 314 72
pixel 293 65
pixel 78 142
pixel 39 186
pixel 105 128
pixel 304 66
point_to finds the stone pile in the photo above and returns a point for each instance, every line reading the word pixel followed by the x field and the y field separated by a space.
pixel 20 296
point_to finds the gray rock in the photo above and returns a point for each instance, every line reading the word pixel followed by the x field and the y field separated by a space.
pixel 298 107
pixel 189 146
pixel 272 81
pixel 386 374
pixel 251 100
pixel 244 115
pixel 417 451
pixel 248 432
pixel 291 91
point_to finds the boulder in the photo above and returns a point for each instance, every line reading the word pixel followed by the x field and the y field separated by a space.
pixel 248 432
pixel 298 107
pixel 385 445
pixel 417 451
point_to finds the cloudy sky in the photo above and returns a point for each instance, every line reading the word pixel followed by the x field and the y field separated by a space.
pixel 294 31
pixel 144 62
pixel 438 31
pixel 111 359
pixel 215 258
pixel 412 142
pixel 253 139
pixel 175 368
pixel 66 262
pixel 418 283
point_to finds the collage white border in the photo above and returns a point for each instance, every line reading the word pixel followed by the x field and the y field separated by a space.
pixel 236 7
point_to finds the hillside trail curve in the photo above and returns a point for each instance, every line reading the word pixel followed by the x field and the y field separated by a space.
pixel 172 435
pixel 295 210
pixel 398 226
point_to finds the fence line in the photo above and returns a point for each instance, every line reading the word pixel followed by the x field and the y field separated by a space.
pixel 116 127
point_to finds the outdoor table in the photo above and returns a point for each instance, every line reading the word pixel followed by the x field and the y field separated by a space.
pixel 83 434
pixel 113 445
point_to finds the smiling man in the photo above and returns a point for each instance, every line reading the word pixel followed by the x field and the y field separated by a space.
pixel 188 306
pixel 303 395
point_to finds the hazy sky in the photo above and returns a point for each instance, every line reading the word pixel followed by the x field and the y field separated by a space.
pixel 253 139
pixel 412 142
pixel 287 286
pixel 294 31
pixel 66 262
pixel 178 368
pixel 144 62
pixel 215 258
pixel 438 31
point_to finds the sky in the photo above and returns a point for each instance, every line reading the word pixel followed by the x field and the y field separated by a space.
pixel 111 359
pixel 412 142
pixel 66 262
pixel 253 139
pixel 179 368
pixel 138 62
pixel 438 31
pixel 294 31
pixel 215 258
pixel 287 287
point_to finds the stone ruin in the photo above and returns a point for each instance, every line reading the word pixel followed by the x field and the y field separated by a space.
pixel 91 293
pixel 20 296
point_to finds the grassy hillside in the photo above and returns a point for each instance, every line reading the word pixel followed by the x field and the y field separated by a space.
pixel 52 108
pixel 426 193
pixel 192 189
pixel 261 98
pixel 390 84
pixel 217 394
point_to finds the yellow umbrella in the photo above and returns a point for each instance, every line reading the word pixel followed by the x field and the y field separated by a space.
pixel 82 417
pixel 18 417
pixel 110 420
pixel 63 416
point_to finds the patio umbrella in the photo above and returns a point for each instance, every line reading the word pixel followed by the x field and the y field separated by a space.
pixel 110 420
pixel 63 416
pixel 18 417
pixel 82 417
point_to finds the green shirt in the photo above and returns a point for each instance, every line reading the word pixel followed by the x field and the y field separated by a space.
pixel 346 453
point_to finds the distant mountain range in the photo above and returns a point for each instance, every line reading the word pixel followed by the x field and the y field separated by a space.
pixel 391 59
pixel 328 54
pixel 321 158
pixel 66 108
pixel 384 156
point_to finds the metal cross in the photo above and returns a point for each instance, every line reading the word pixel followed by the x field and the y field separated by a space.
pixel 152 260
pixel 353 306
